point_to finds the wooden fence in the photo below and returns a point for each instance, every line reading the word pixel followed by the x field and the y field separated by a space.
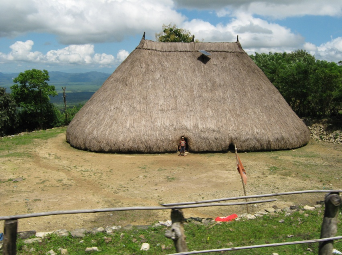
pixel 176 232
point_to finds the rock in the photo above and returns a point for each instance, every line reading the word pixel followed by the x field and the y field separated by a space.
pixel 294 207
pixel 195 219
pixel 281 221
pixel 79 232
pixel 50 252
pixel 61 232
pixel 262 213
pixel 250 217
pixel 63 251
pixel 167 223
pixel 107 239
pixel 309 208
pixel 43 234
pixel 142 227
pixel 109 230
pixel 270 210
pixel 97 230
pixel 33 240
pixel 128 227
pixel 145 247
pixel 100 229
pixel 26 234
pixel 287 209
pixel 112 229
pixel 18 179
pixel 91 249
pixel 207 221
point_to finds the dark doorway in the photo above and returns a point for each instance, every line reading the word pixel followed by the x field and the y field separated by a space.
pixel 186 142
pixel 231 147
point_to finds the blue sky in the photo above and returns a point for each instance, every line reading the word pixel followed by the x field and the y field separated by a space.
pixel 97 35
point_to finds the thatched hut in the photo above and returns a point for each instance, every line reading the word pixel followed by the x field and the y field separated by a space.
pixel 211 93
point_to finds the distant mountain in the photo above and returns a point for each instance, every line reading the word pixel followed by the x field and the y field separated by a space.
pixel 6 78
pixel 61 78
pixel 89 77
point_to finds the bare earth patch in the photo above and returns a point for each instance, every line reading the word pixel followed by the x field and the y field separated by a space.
pixel 53 176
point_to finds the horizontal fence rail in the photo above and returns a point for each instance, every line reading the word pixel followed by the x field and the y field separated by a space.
pixel 254 196
pixel 332 203
pixel 32 215
pixel 260 246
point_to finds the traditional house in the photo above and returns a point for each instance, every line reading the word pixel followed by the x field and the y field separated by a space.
pixel 211 93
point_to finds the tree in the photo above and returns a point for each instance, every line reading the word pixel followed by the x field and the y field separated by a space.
pixel 171 33
pixel 313 88
pixel 8 114
pixel 32 96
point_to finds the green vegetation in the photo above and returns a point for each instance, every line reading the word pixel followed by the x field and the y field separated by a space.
pixel 313 88
pixel 8 144
pixel 8 116
pixel 31 94
pixel 271 228
pixel 171 33
pixel 29 108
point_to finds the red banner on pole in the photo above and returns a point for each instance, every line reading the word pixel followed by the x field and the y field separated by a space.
pixel 241 169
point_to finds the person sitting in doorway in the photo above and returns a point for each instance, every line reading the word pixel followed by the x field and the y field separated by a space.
pixel 182 144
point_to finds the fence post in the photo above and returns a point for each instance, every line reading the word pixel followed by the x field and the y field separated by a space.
pixel 329 225
pixel 176 233
pixel 10 237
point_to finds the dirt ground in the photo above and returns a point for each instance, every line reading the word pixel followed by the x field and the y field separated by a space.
pixel 52 176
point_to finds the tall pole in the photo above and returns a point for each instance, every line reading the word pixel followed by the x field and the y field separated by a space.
pixel 243 183
pixel 65 106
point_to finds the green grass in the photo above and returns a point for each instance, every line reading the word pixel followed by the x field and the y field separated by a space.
pixel 275 228
pixel 16 155
pixel 9 143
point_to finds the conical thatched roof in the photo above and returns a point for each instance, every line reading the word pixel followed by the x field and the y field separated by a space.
pixel 165 90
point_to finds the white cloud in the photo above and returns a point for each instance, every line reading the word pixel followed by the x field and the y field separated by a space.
pixel 104 59
pixel 330 51
pixel 22 51
pixel 73 54
pixel 91 21
pixel 122 55
pixel 253 33
pixel 271 8
pixel 310 47
pixel 70 55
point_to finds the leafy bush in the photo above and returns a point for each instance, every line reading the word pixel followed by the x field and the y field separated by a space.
pixel 8 113
pixel 313 88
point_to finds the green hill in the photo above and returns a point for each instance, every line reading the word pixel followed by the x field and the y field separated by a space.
pixel 74 82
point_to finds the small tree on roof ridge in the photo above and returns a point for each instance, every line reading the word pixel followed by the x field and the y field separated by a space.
pixel 171 33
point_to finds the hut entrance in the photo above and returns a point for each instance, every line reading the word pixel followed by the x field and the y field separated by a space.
pixel 186 142
pixel 231 147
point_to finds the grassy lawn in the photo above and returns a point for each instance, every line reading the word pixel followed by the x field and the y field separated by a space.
pixel 271 228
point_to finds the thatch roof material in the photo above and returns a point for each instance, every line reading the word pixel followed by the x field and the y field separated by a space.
pixel 165 90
